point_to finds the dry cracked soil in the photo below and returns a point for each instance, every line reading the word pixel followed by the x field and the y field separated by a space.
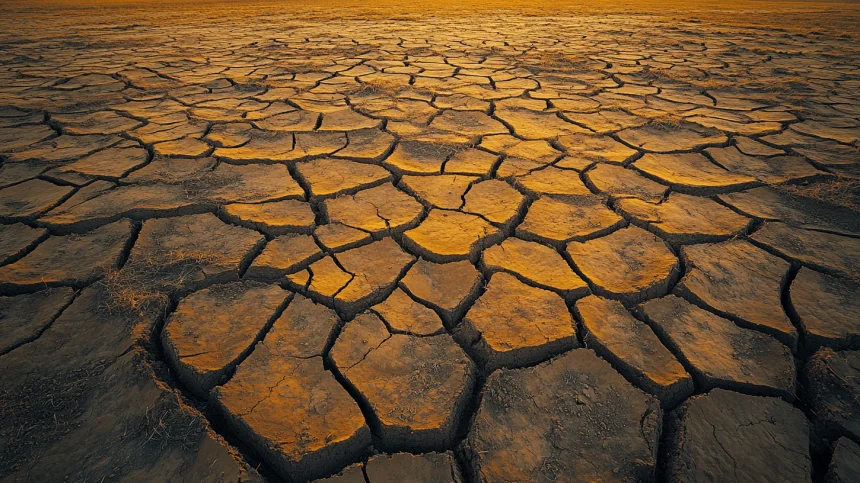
pixel 273 242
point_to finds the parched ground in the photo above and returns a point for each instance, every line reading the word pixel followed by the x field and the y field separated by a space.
pixel 392 242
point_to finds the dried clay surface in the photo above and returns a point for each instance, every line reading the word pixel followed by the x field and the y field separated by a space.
pixel 447 242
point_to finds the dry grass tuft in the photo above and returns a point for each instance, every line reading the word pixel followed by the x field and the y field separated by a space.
pixel 433 148
pixel 168 424
pixel 147 283
pixel 552 61
pixel 379 87
pixel 667 122
pixel 841 191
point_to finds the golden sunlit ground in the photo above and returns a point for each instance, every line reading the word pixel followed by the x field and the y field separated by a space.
pixel 392 242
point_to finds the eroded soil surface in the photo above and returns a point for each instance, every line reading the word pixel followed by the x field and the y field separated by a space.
pixel 454 248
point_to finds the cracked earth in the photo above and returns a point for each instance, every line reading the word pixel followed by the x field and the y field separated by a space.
pixel 497 249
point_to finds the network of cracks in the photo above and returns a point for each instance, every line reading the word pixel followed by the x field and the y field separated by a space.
pixel 542 250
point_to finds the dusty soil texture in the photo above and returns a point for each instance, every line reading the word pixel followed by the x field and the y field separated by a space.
pixel 462 242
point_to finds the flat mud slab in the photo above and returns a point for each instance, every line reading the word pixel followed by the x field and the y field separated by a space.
pixel 732 437
pixel 436 243
pixel 571 417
